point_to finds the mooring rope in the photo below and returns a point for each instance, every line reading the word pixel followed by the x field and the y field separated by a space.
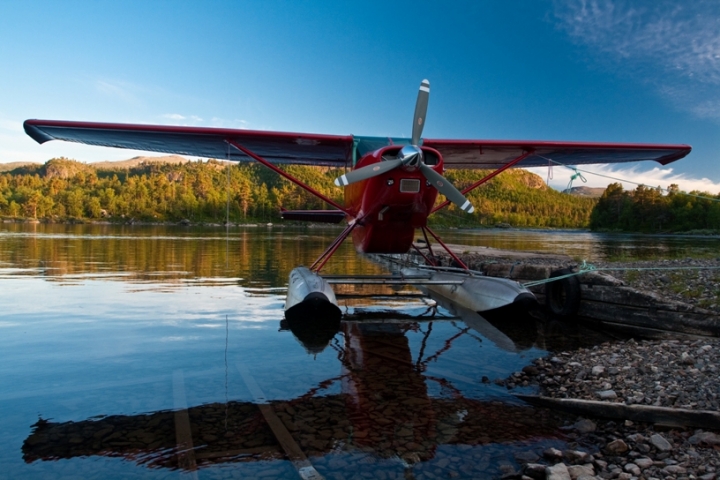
pixel 574 177
pixel 577 172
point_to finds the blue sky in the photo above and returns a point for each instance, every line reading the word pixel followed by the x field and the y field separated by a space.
pixel 572 70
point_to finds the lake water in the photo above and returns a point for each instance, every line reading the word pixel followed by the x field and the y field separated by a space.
pixel 158 352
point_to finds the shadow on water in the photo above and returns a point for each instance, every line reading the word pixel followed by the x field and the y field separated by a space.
pixel 384 419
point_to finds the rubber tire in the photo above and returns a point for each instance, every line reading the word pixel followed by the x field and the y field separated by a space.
pixel 562 297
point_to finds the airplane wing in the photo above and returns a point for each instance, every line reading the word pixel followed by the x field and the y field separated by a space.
pixel 338 150
pixel 493 154
pixel 276 147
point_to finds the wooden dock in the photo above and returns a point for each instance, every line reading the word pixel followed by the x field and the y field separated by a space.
pixel 593 297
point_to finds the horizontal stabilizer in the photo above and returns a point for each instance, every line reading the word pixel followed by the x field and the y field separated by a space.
pixel 320 216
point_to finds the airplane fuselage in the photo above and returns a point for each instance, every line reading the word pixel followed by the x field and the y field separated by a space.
pixel 389 207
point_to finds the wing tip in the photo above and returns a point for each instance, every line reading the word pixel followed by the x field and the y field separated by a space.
pixel 35 133
pixel 682 153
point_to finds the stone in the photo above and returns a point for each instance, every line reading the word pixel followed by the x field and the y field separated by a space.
pixel 616 447
pixel 585 426
pixel 576 456
pixel 534 470
pixel 577 471
pixel 643 462
pixel 597 370
pixel 632 468
pixel 660 443
pixel 704 438
pixel 558 471
pixel 674 470
pixel 607 394
pixel 552 454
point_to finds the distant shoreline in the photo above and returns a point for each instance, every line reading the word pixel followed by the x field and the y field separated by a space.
pixel 282 224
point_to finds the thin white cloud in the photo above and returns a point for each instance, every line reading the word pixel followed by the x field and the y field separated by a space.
pixel 224 123
pixel 123 91
pixel 630 177
pixel 183 119
pixel 174 116
pixel 673 46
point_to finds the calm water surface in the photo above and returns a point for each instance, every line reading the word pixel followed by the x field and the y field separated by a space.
pixel 157 352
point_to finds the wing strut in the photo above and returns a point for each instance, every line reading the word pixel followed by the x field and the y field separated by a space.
pixel 294 180
pixel 325 256
pixel 487 178
pixel 447 249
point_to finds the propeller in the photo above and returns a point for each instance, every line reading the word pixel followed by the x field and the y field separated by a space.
pixel 411 156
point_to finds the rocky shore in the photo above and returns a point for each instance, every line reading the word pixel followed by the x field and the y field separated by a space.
pixel 679 373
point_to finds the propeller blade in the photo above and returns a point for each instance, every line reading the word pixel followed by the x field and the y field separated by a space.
pixel 367 172
pixel 447 188
pixel 420 111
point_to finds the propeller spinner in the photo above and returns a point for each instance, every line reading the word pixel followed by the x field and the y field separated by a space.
pixel 411 156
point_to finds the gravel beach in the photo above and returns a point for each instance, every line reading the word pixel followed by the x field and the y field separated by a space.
pixel 669 373
pixel 675 373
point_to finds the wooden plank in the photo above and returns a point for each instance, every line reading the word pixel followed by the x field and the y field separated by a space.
pixel 645 332
pixel 632 297
pixel 650 318
pixel 283 436
pixel 183 433
pixel 673 417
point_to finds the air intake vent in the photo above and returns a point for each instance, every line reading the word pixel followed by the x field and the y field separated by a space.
pixel 409 185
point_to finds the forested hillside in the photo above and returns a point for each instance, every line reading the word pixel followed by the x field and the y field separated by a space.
pixel 647 210
pixel 63 189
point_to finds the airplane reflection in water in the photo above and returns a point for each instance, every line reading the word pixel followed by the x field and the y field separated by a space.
pixel 383 412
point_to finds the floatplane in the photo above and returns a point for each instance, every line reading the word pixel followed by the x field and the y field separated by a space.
pixel 391 187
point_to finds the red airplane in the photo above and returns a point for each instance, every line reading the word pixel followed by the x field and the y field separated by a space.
pixel 391 184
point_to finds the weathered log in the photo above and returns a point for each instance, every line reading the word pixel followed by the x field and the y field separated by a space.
pixel 600 278
pixel 610 304
pixel 673 417
pixel 635 298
